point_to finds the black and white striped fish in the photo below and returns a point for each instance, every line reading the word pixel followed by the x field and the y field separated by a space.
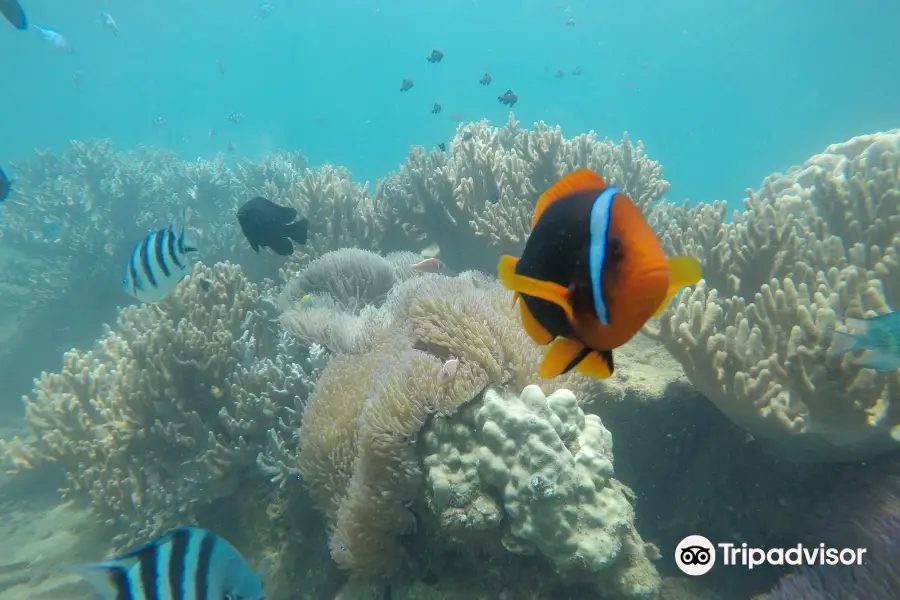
pixel 183 564
pixel 157 264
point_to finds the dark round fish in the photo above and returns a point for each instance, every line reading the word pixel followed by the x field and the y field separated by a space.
pixel 268 225
pixel 13 12
pixel 5 186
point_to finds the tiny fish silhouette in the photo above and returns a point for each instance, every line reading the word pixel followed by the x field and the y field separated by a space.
pixel 235 117
pixel 13 13
pixel 442 147
pixel 56 38
pixel 268 225
pixel 5 186
pixel 559 74
pixel 570 22
pixel 879 335
pixel 436 108
pixel 485 79
pixel 508 98
pixel 436 56
pixel 107 21
pixel 406 85
pixel 576 71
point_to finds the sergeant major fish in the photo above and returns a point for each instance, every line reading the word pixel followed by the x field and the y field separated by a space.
pixel 269 225
pixel 13 13
pixel 157 264
pixel 591 274
pixel 185 563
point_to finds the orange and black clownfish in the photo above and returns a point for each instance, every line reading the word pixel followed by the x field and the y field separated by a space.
pixel 591 274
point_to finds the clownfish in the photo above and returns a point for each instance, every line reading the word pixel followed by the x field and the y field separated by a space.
pixel 591 274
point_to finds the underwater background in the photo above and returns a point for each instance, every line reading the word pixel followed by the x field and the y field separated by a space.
pixel 352 417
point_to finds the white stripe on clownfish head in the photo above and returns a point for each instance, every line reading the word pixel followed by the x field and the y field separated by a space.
pixel 600 214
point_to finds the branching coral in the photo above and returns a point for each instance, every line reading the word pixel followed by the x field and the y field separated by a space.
pixel 476 200
pixel 185 386
pixel 817 245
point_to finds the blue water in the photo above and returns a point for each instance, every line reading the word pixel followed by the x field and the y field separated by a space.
pixel 722 93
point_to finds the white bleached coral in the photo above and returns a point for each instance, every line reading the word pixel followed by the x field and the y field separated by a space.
pixel 549 466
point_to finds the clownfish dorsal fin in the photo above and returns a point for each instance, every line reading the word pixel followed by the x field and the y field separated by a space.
pixel 583 180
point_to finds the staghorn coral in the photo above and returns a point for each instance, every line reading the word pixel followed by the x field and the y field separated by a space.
pixel 816 245
pixel 476 201
pixel 357 453
pixel 186 385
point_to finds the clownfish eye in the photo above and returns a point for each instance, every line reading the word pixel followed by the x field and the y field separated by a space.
pixel 614 251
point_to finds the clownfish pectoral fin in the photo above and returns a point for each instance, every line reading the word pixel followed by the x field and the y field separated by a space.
pixel 563 356
pixel 583 180
pixel 597 364
pixel 535 330
pixel 545 290
pixel 683 271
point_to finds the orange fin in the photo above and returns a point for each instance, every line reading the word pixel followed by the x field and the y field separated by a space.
pixel 597 364
pixel 545 290
pixel 535 330
pixel 683 271
pixel 563 356
pixel 580 181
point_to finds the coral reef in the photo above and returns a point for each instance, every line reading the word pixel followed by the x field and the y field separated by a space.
pixel 476 200
pixel 169 409
pixel 430 345
pixel 816 245
pixel 539 470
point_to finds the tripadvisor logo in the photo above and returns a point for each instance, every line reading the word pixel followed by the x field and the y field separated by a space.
pixel 695 555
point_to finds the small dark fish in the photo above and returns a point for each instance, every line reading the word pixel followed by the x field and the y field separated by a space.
pixel 264 11
pixel 559 74
pixel 435 57
pixel 219 67
pixel 442 147
pixel 159 120
pixel 212 133
pixel 13 12
pixel 5 186
pixel 436 108
pixel 269 225
pixel 570 22
pixel 183 563
pixel 576 71
pixel 231 146
pixel 467 135
pixel 76 78
pixel 406 85
pixel 485 79
pixel 508 98
pixel 235 117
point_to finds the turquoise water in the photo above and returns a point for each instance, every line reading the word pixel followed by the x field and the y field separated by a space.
pixel 359 425
pixel 721 93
